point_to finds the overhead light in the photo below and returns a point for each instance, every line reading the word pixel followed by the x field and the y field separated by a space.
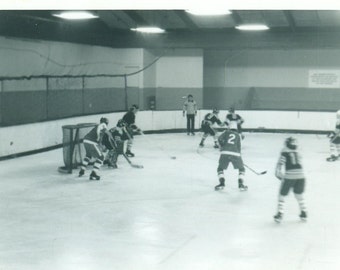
pixel 75 15
pixel 209 12
pixel 252 27
pixel 152 30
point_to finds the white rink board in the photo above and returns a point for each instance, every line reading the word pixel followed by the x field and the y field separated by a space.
pixel 23 138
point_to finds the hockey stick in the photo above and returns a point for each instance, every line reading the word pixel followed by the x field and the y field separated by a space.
pixel 132 164
pixel 258 173
pixel 113 144
pixel 160 148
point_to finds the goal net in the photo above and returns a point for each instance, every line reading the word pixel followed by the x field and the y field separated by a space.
pixel 73 148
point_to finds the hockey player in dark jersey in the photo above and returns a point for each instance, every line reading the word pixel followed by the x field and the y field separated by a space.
pixel 230 147
pixel 207 127
pixel 115 143
pixel 92 143
pixel 334 137
pixel 129 119
pixel 233 117
pixel 289 170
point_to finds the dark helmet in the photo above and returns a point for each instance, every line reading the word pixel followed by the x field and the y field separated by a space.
pixel 104 120
pixel 134 107
pixel 215 111
pixel 121 123
pixel 291 143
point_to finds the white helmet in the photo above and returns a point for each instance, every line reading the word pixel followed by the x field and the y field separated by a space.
pixel 338 114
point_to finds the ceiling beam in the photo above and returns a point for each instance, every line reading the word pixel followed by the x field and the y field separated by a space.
pixel 236 17
pixel 139 20
pixel 112 20
pixel 290 19
pixel 186 19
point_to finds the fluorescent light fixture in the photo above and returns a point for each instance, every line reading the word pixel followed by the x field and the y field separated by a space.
pixel 152 30
pixel 209 11
pixel 252 27
pixel 75 15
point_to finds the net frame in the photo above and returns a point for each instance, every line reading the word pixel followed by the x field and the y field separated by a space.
pixel 73 150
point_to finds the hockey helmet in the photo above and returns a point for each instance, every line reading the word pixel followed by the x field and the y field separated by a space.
pixel 291 143
pixel 231 109
pixel 104 120
pixel 134 107
pixel 338 114
pixel 215 111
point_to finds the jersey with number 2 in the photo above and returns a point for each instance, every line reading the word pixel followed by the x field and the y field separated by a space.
pixel 230 142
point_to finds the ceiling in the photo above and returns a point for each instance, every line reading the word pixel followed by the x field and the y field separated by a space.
pixel 297 28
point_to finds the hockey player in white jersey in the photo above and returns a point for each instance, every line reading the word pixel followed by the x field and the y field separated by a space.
pixel 335 140
pixel 235 119
pixel 290 172
pixel 92 144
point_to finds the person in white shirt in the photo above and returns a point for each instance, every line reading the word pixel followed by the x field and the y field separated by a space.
pixel 190 109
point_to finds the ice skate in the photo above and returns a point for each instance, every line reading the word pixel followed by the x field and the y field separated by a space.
pixel 128 153
pixel 278 217
pixel 241 186
pixel 332 158
pixel 201 144
pixel 216 146
pixel 81 172
pixel 221 185
pixel 112 165
pixel 303 216
pixel 94 176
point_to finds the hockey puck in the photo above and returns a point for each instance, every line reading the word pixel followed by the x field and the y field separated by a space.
pixel 173 157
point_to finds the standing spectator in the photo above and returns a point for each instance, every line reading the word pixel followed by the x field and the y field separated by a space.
pixel 190 108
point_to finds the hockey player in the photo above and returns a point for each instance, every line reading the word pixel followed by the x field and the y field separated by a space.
pixel 129 119
pixel 289 171
pixel 335 140
pixel 115 143
pixel 207 127
pixel 92 142
pixel 233 117
pixel 230 147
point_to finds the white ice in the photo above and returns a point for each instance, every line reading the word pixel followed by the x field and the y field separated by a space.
pixel 167 215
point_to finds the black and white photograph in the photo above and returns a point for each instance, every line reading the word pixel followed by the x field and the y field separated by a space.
pixel 145 135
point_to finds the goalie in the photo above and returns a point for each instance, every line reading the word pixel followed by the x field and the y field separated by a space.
pixel 115 143
pixel 335 140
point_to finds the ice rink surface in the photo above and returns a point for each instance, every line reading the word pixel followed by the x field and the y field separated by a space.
pixel 167 215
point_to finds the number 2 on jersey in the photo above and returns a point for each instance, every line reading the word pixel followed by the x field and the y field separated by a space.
pixel 231 139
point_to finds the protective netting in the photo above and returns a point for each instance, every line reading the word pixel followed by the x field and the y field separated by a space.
pixel 73 148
